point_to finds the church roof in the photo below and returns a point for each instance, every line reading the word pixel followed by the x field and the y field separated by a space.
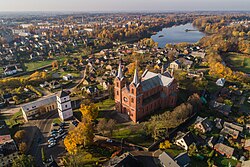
pixel 151 80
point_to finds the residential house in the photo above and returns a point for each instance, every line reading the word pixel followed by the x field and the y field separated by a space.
pixel 233 126
pixel 203 125
pixel 184 140
pixel 223 108
pixel 167 161
pixel 221 82
pixel 218 123
pixel 212 141
pixel 182 159
pixel 230 131
pixel 175 65
pixel 125 160
pixel 54 85
pixel 68 77
pixel 224 150
pixel 247 144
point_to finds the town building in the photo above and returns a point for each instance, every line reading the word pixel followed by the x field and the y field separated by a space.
pixel 8 149
pixel 60 102
pixel 145 95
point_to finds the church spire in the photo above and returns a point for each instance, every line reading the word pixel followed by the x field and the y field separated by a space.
pixel 120 74
pixel 136 76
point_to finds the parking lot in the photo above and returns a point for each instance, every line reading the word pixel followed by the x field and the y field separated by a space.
pixel 43 129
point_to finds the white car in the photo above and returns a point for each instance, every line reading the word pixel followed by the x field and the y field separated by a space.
pixel 109 141
pixel 51 145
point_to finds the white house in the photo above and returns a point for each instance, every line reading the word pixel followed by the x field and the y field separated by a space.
pixel 67 77
pixel 184 140
pixel 221 82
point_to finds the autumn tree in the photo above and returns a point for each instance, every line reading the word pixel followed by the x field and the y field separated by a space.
pixel 22 147
pixel 19 135
pixel 165 145
pixel 55 64
pixel 82 135
pixel 89 112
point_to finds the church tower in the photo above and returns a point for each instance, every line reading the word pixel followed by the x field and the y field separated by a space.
pixel 135 97
pixel 119 83
pixel 64 105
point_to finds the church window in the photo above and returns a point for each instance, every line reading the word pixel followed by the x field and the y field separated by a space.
pixel 132 91
pixel 125 99
pixel 117 84
pixel 117 93
pixel 132 100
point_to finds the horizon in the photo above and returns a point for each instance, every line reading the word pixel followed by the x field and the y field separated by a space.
pixel 123 6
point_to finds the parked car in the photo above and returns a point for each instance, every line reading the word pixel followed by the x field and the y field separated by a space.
pixel 51 145
pixel 109 141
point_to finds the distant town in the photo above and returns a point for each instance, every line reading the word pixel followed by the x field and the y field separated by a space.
pixel 113 89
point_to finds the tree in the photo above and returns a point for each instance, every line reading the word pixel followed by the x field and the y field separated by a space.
pixel 55 64
pixel 82 135
pixel 101 126
pixel 192 150
pixel 23 161
pixel 89 112
pixel 165 145
pixel 19 135
pixel 111 126
pixel 22 147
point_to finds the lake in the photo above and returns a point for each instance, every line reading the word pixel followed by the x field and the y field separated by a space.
pixel 177 34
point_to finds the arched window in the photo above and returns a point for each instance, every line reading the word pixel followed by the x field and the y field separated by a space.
pixel 132 91
pixel 117 84
pixel 132 100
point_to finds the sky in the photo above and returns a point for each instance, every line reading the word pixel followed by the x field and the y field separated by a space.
pixel 123 5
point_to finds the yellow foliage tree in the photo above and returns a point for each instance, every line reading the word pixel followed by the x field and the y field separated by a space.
pixel 82 135
pixel 165 145
pixel 89 112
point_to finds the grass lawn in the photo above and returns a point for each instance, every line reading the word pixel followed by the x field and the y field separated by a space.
pixel 74 74
pixel 17 118
pixel 134 134
pixel 35 65
pixel 195 162
pixel 174 151
pixel 106 104
pixel 223 161
pixel 239 61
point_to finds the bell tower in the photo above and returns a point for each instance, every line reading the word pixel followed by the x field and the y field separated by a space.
pixel 119 83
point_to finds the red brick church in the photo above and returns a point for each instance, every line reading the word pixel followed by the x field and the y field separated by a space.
pixel 145 95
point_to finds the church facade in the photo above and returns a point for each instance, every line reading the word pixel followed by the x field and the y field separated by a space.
pixel 145 95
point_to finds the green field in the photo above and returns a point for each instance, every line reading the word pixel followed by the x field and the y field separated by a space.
pixel 239 61
pixel 35 65
pixel 108 104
